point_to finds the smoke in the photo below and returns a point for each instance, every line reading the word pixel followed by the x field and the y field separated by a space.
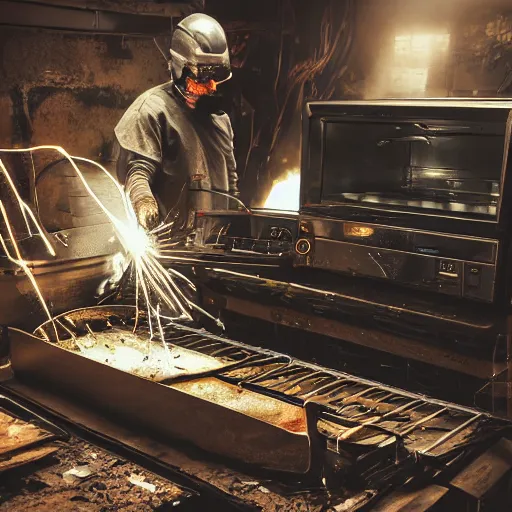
pixel 434 49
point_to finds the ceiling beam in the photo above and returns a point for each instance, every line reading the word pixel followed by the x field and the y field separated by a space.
pixel 170 8
pixel 85 20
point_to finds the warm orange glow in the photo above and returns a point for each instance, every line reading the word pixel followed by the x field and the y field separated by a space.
pixel 154 282
pixel 357 230
pixel 285 193
pixel 414 55
pixel 17 258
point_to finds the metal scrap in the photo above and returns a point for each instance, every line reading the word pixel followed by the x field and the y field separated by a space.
pixel 140 481
pixel 77 473
pixel 22 440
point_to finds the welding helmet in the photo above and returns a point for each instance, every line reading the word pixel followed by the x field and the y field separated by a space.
pixel 199 56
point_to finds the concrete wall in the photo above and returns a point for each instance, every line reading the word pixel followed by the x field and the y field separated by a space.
pixel 70 90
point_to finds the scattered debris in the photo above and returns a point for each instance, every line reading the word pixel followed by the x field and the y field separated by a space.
pixel 100 481
pixel 78 472
pixel 355 502
pixel 139 481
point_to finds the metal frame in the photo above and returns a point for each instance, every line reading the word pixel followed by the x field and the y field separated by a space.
pixel 173 410
pixel 83 20
pixel 317 113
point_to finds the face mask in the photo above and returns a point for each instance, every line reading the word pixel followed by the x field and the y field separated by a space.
pixel 194 90
pixel 200 89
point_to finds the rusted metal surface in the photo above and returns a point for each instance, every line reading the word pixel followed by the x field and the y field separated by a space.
pixel 97 21
pixel 16 433
pixel 367 337
pixel 174 8
pixel 278 413
pixel 24 437
pixel 418 501
pixel 261 430
pixel 239 486
pixel 484 473
pixel 27 456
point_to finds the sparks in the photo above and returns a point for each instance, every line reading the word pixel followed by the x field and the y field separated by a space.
pixel 156 285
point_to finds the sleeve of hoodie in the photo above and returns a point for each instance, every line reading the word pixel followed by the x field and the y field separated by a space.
pixel 224 124
pixel 140 134
pixel 231 163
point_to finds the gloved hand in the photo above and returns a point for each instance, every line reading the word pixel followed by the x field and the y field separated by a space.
pixel 233 204
pixel 147 213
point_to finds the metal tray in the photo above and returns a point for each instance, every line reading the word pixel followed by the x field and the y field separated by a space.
pixel 212 414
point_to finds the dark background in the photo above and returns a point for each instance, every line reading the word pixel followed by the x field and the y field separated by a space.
pixel 70 88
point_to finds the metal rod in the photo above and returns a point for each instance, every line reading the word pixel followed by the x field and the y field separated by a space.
pixel 264 375
pixel 451 434
pixel 198 342
pixel 251 360
pixel 217 353
pixel 203 348
pixel 319 380
pixel 286 380
pixel 292 384
pixel 351 431
pixel 355 395
pixel 402 408
pixel 325 388
pixel 302 380
pixel 381 399
pixel 423 420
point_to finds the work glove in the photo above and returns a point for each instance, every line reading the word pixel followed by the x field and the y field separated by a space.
pixel 233 204
pixel 146 210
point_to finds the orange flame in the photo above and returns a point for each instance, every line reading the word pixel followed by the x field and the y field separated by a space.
pixel 285 193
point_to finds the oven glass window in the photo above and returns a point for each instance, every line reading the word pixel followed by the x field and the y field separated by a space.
pixel 406 166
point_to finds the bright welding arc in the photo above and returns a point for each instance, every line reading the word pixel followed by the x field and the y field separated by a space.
pixel 146 258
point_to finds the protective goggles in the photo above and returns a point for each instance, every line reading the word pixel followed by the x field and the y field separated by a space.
pixel 218 74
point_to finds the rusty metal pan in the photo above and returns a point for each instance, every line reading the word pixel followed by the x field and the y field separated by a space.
pixel 214 415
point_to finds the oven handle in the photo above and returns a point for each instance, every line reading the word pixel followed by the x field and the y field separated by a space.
pixel 410 138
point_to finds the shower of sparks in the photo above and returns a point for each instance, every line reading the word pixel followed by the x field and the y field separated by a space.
pixel 17 258
pixel 157 286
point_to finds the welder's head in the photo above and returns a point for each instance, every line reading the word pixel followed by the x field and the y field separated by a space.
pixel 199 58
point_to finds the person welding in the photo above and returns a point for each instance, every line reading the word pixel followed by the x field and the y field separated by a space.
pixel 175 145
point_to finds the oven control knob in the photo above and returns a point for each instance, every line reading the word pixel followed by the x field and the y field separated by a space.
pixel 274 233
pixel 303 246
